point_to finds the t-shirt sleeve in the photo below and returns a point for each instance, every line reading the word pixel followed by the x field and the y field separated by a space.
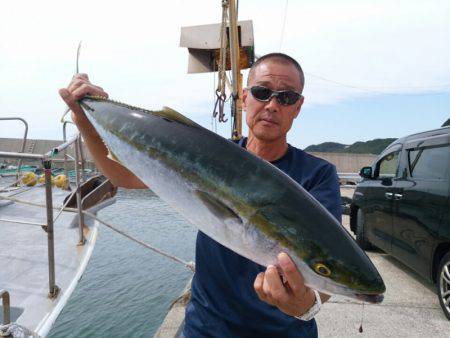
pixel 326 190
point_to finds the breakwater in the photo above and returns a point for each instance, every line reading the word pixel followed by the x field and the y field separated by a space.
pixel 344 162
pixel 35 146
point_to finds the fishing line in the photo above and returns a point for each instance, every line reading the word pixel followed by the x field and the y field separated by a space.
pixel 77 70
pixel 362 319
pixel 284 25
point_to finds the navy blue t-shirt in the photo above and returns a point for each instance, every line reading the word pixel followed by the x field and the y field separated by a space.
pixel 224 302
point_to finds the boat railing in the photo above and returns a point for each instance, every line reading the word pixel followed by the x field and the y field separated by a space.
pixel 6 306
pixel 46 160
pixel 24 139
pixel 66 156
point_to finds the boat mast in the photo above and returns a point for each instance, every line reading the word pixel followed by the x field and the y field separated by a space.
pixel 228 45
pixel 236 72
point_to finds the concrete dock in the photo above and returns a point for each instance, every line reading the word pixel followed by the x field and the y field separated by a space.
pixel 410 308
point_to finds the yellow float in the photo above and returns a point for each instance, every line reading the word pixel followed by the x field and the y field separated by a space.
pixel 61 181
pixel 41 179
pixel 29 179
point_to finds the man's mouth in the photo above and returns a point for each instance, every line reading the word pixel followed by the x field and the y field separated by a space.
pixel 269 121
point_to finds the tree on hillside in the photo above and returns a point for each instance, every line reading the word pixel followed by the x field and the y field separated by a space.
pixel 446 123
pixel 375 146
pixel 327 147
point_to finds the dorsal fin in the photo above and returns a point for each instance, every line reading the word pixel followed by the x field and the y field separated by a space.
pixel 173 115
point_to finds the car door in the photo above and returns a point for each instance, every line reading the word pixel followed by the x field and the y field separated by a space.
pixel 379 199
pixel 419 199
pixel 444 228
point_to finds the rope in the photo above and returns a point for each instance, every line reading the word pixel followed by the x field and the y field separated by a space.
pixel 22 222
pixel 189 265
pixel 25 202
pixel 15 330
pixel 11 185
pixel 221 96
pixel 65 205
pixel 223 48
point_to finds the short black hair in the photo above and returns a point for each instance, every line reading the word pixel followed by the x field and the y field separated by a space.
pixel 278 57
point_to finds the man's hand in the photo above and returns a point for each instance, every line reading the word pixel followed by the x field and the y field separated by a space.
pixel 292 297
pixel 79 87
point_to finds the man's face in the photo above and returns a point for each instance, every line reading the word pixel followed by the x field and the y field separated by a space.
pixel 270 121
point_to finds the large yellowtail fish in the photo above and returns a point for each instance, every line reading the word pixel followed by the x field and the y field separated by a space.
pixel 236 198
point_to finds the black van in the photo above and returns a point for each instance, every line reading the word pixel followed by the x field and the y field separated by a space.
pixel 402 206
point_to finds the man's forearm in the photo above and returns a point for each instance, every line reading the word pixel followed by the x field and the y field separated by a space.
pixel 79 87
pixel 114 171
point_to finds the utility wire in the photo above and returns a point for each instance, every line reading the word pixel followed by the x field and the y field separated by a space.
pixel 370 89
pixel 375 89
pixel 341 84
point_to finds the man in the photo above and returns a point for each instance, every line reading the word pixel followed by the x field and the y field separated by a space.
pixel 231 295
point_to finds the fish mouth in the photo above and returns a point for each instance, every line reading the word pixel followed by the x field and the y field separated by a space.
pixel 370 298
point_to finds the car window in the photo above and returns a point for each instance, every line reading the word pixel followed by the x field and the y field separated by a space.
pixel 387 166
pixel 429 163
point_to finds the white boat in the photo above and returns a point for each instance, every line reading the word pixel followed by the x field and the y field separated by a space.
pixel 44 250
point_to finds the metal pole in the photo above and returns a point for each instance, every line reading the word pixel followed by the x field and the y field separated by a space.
pixel 62 146
pixel 234 45
pixel 6 306
pixel 234 57
pixel 80 144
pixel 22 149
pixel 78 187
pixel 8 154
pixel 238 116
pixel 53 288
pixel 66 171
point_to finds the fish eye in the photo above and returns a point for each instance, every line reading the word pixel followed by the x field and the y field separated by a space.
pixel 322 269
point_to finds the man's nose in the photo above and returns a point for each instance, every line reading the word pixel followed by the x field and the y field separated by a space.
pixel 273 104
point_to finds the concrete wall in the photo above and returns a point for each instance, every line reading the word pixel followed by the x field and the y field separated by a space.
pixel 39 147
pixel 347 163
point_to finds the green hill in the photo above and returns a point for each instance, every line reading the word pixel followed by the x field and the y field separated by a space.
pixel 326 147
pixel 446 123
pixel 375 146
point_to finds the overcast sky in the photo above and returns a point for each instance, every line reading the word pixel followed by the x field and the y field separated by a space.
pixel 373 68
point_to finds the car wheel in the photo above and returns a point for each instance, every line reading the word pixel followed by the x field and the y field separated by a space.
pixel 443 284
pixel 360 236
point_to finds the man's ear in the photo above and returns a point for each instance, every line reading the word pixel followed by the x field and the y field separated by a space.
pixel 244 98
pixel 299 107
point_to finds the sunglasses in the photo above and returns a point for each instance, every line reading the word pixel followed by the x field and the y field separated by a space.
pixel 284 97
